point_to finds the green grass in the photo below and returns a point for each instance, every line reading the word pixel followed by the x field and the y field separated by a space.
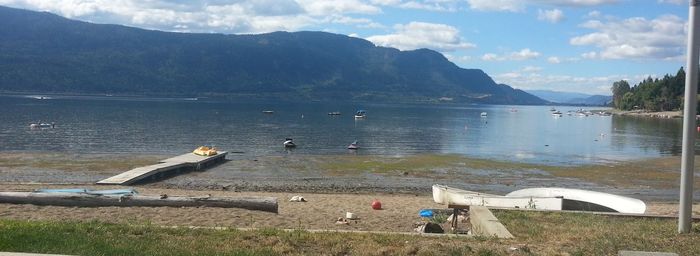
pixel 587 234
pixel 537 233
pixel 95 238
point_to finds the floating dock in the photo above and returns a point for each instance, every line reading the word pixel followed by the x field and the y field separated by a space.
pixel 181 163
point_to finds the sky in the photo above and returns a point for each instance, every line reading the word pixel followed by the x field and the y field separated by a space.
pixel 562 45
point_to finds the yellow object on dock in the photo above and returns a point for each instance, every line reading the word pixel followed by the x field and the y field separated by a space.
pixel 205 151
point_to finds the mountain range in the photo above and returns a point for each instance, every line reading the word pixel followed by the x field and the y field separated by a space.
pixel 46 53
pixel 572 98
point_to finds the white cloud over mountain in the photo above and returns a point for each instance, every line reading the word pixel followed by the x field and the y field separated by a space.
pixel 524 54
pixel 417 35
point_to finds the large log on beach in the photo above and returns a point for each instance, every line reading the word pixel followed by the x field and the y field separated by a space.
pixel 268 204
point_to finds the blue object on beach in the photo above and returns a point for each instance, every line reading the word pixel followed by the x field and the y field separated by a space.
pixel 426 213
pixel 61 190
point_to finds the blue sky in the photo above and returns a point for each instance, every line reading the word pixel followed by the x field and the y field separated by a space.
pixel 563 45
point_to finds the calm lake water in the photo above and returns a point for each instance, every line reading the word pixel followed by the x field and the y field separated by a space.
pixel 529 134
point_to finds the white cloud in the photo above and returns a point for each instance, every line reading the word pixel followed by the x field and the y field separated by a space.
pixel 524 54
pixel 426 5
pixel 497 5
pixel 594 84
pixel 678 2
pixel 416 35
pixel 519 5
pixel 589 55
pixel 636 38
pixel 326 7
pixel 530 69
pixel 224 16
pixel 553 16
pixel 594 14
pixel 554 60
pixel 459 59
pixel 434 5
pixel 575 3
pixel 492 57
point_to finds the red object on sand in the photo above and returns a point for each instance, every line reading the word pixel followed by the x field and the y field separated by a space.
pixel 376 204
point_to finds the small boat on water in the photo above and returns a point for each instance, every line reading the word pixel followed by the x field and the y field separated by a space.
pixel 484 114
pixel 288 143
pixel 557 114
pixel 360 114
pixel 268 112
pixel 42 125
pixel 552 109
pixel 542 198
pixel 205 151
pixel 353 145
pixel 335 113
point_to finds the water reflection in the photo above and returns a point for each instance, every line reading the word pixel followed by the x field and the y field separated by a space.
pixel 530 134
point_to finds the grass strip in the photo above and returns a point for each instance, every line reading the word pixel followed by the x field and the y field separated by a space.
pixel 537 233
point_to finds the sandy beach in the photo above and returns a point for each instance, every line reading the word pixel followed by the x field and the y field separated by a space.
pixel 401 184
pixel 399 213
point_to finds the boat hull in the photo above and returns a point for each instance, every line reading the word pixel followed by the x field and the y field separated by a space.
pixel 585 200
pixel 452 196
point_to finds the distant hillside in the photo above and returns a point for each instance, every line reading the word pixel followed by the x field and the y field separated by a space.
pixel 572 97
pixel 43 52
pixel 595 100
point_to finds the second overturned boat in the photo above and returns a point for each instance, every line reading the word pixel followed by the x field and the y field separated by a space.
pixel 542 198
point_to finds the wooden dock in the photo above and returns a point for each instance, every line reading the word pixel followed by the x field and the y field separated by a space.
pixel 181 163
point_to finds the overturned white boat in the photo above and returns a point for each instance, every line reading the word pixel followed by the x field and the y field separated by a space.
pixel 541 198
pixel 586 200
pixel 458 197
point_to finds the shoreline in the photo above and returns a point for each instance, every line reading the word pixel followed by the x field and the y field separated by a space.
pixel 644 113
pixel 649 180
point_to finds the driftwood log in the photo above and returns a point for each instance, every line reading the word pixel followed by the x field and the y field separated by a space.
pixel 268 204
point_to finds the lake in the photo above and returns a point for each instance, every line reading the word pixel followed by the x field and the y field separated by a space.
pixel 171 126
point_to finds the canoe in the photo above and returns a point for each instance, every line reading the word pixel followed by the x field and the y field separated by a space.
pixel 453 196
pixel 585 200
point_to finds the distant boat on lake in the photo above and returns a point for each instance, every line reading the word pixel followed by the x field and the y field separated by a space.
pixel 288 143
pixel 353 145
pixel 42 125
pixel 556 114
pixel 335 113
pixel 360 114
pixel 268 112
pixel 484 114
